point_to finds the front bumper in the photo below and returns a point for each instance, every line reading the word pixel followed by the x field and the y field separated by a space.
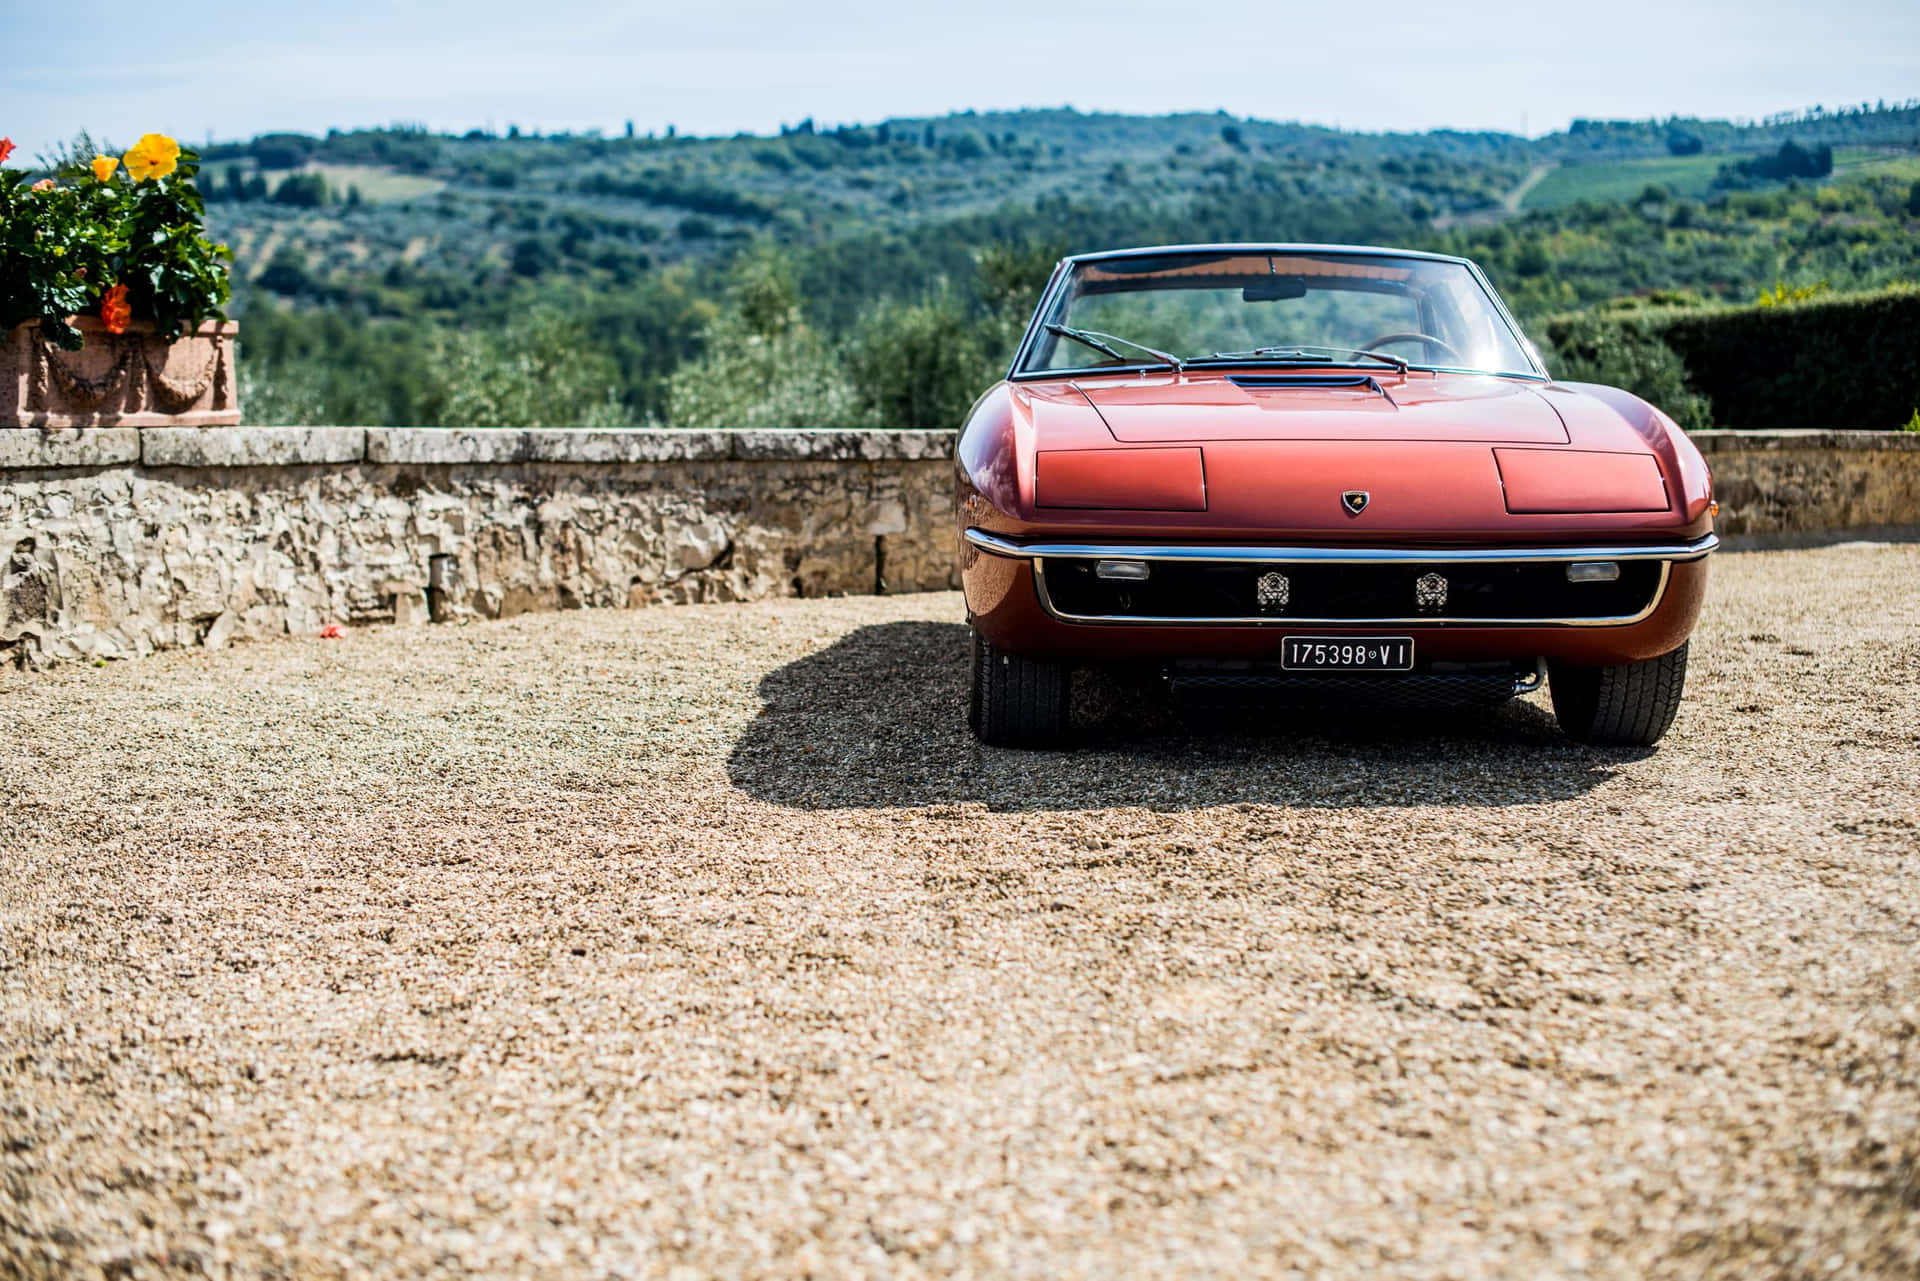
pixel 1009 600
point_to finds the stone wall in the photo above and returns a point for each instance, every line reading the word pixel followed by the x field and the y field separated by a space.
pixel 120 541
pixel 1782 487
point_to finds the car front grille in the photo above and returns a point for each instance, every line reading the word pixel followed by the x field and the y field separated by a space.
pixel 1400 592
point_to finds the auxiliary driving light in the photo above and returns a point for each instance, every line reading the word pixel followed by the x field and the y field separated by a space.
pixel 1593 571
pixel 1122 571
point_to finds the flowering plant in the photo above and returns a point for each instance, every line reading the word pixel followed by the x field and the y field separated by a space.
pixel 92 238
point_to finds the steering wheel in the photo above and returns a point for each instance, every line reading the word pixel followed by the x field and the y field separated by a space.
pixel 1410 336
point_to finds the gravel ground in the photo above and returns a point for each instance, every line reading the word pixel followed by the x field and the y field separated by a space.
pixel 703 941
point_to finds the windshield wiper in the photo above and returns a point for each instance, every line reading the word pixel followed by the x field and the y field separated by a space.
pixel 1101 343
pixel 1317 355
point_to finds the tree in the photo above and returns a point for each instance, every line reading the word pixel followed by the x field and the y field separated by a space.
pixel 920 364
pixel 533 256
pixel 1012 278
pixel 302 191
pixel 1791 161
pixel 286 274
pixel 761 365
pixel 537 371
pixel 283 150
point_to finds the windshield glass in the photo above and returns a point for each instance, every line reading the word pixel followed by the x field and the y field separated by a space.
pixel 1249 307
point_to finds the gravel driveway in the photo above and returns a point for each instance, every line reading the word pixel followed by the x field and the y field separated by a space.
pixel 703 940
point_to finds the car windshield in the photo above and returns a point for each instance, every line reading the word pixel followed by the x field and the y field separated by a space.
pixel 1255 307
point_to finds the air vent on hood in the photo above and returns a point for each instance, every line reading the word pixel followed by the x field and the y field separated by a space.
pixel 1306 380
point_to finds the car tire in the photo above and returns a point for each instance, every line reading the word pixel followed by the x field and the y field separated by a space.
pixel 1017 701
pixel 1631 705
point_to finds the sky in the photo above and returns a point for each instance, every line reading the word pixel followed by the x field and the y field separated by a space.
pixel 217 68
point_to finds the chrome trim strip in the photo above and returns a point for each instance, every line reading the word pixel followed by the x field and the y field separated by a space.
pixel 1514 331
pixel 1290 622
pixel 1001 546
pixel 1061 270
pixel 1263 247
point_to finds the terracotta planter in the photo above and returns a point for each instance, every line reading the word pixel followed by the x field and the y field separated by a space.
pixel 135 379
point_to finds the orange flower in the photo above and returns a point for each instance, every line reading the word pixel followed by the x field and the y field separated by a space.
pixel 45 184
pixel 103 167
pixel 115 310
pixel 6 149
pixel 154 156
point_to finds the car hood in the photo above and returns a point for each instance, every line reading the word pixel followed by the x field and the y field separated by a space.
pixel 1443 457
pixel 1324 405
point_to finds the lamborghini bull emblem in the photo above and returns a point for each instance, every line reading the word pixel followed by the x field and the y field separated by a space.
pixel 1354 500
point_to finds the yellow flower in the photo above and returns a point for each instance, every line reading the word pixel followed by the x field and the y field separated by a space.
pixel 154 156
pixel 103 167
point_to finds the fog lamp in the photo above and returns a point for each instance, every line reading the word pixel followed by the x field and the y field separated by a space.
pixel 1593 571
pixel 1121 571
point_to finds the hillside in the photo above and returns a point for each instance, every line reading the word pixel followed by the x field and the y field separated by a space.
pixel 623 205
pixel 632 235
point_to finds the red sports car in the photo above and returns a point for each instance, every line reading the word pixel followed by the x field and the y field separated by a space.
pixel 1333 470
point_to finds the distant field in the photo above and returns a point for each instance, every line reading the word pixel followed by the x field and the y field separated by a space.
pixel 1860 162
pixel 376 184
pixel 1620 180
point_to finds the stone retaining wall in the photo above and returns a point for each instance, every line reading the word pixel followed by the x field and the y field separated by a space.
pixel 122 541
pixel 1778 487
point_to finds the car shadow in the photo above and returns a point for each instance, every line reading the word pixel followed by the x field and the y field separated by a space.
pixel 878 719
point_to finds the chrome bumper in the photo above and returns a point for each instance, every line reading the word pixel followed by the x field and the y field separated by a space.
pixel 1000 546
pixel 1039 552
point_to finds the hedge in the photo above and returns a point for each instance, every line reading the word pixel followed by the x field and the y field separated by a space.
pixel 1849 361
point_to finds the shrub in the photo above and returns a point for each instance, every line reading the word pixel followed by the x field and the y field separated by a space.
pixel 1782 292
pixel 1608 348
pixel 1831 360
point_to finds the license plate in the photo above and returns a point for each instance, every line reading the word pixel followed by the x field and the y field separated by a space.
pixel 1346 654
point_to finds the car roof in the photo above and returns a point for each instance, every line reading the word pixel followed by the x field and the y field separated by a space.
pixel 1262 247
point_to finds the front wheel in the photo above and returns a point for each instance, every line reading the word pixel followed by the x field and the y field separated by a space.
pixel 1017 701
pixel 1631 705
